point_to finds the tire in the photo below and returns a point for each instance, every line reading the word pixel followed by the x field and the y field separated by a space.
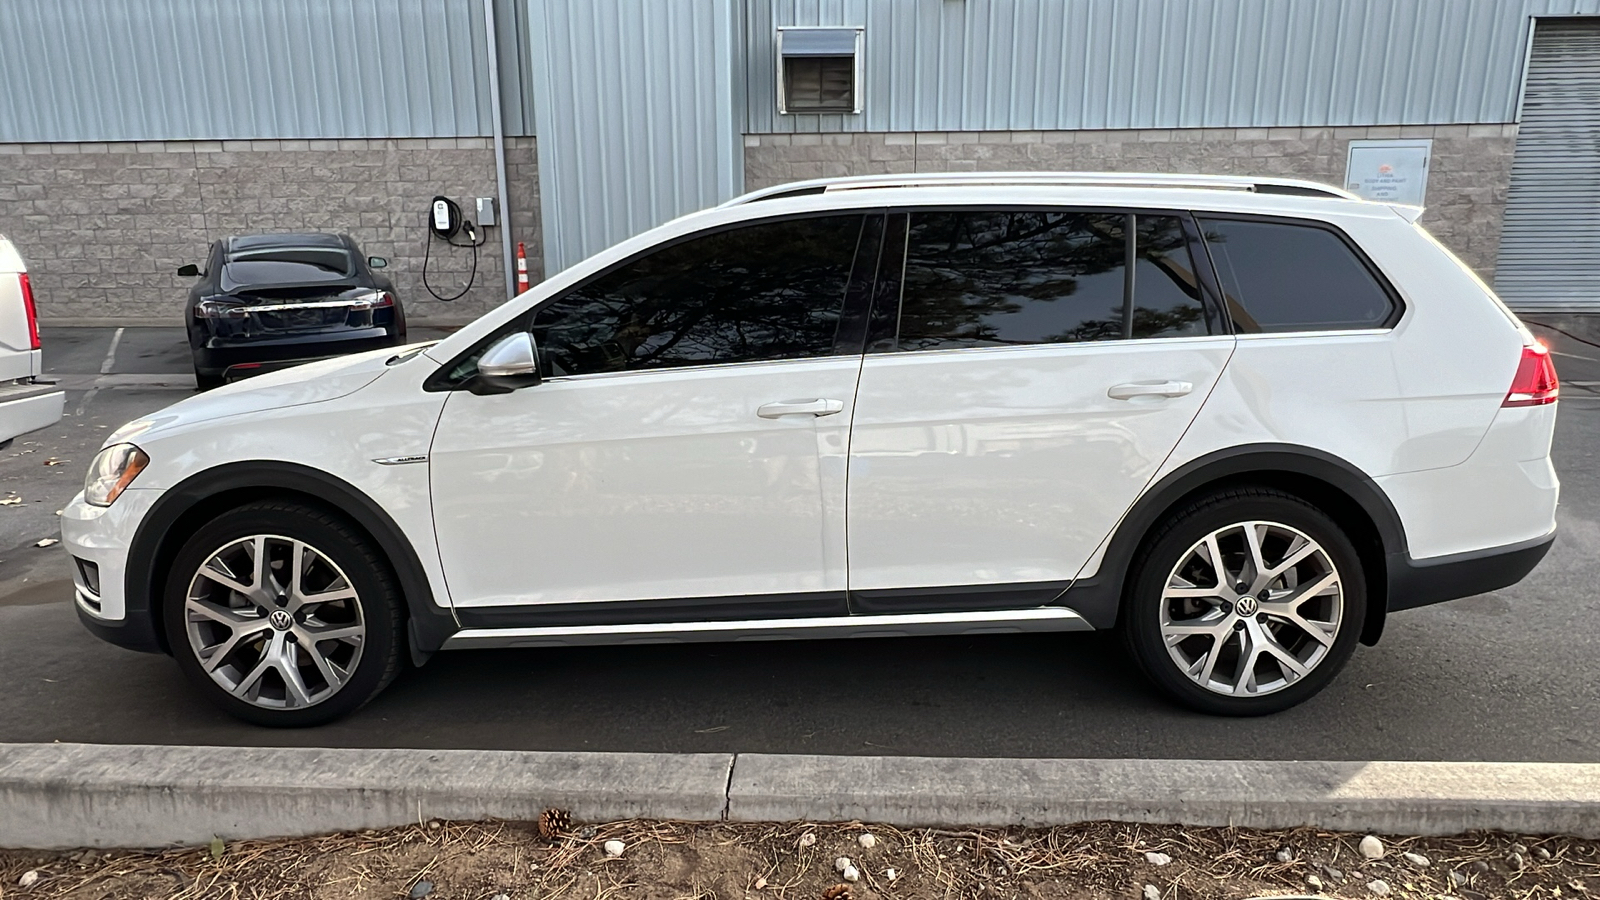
pixel 266 649
pixel 206 382
pixel 1310 618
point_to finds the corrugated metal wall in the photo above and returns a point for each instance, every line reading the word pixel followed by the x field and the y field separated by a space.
pixel 971 65
pixel 637 105
pixel 1550 244
pixel 116 70
pixel 127 70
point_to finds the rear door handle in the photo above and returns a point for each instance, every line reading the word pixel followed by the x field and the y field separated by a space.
pixel 800 408
pixel 1149 389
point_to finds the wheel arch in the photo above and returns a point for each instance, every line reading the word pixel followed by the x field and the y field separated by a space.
pixel 1326 481
pixel 191 503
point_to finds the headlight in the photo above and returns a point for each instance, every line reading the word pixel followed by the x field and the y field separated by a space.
pixel 113 469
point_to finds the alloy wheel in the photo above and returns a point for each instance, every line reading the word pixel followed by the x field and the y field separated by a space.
pixel 1251 608
pixel 275 622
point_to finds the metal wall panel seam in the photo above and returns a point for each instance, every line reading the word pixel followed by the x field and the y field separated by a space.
pixel 144 70
pixel 1008 65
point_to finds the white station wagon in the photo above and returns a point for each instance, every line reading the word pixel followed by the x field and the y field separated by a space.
pixel 1241 420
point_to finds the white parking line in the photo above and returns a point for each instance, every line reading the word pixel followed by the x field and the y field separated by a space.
pixel 111 353
pixel 84 403
pixel 1573 356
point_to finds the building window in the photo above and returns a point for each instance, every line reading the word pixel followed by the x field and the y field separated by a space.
pixel 819 70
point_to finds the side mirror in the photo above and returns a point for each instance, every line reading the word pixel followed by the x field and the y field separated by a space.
pixel 378 262
pixel 510 363
pixel 190 271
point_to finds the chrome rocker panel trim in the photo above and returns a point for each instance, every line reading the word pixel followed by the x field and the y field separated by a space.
pixel 1050 618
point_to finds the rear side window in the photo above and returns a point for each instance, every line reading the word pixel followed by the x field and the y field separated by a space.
pixel 769 291
pixel 1006 278
pixel 1280 277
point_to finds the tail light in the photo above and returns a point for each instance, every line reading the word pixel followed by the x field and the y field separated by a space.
pixel 33 314
pixel 219 309
pixel 374 300
pixel 1535 383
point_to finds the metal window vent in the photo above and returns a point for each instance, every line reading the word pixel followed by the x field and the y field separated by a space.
pixel 819 70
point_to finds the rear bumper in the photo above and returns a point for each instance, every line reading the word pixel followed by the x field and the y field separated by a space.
pixel 28 407
pixel 216 357
pixel 1414 583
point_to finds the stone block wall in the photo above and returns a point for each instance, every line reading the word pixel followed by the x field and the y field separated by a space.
pixel 1467 182
pixel 104 227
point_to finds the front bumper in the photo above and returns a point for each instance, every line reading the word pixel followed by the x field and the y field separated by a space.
pixel 102 535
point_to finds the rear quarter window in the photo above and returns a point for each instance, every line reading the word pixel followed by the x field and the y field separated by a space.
pixel 1283 277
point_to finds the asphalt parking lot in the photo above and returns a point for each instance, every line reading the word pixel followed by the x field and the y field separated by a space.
pixel 1509 676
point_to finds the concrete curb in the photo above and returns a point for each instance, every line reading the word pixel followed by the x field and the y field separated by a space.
pixel 1386 797
pixel 94 795
pixel 88 795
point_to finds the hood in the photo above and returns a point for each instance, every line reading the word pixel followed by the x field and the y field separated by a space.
pixel 315 382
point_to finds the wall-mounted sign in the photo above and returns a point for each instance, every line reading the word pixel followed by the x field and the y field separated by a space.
pixel 1389 171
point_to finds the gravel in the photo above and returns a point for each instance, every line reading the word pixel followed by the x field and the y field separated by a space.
pixel 765 861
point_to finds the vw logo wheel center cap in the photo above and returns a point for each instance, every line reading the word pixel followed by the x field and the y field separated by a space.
pixel 280 619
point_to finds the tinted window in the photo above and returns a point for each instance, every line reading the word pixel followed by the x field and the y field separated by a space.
pixel 760 292
pixel 286 265
pixel 980 279
pixel 1280 277
pixel 1166 293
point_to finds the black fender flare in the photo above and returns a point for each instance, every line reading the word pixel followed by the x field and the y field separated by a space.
pixel 206 494
pixel 1351 493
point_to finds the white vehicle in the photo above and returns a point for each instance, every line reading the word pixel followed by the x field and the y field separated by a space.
pixel 1241 420
pixel 26 404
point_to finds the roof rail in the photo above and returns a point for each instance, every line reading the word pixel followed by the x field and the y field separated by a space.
pixel 1055 179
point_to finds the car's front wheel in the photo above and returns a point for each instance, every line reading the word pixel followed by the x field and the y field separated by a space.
pixel 283 614
pixel 1245 602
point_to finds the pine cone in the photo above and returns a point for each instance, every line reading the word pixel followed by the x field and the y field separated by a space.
pixel 837 892
pixel 552 822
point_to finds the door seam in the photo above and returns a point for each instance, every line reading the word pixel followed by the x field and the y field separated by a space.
pixel 1154 473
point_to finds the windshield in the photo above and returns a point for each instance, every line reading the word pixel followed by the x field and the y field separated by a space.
pixel 286 265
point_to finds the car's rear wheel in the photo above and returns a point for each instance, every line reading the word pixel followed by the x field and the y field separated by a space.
pixel 1245 602
pixel 283 615
pixel 205 381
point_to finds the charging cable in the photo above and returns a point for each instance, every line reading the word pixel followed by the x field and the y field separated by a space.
pixel 474 240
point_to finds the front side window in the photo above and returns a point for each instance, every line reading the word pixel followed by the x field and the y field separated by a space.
pixel 1005 278
pixel 1282 277
pixel 768 291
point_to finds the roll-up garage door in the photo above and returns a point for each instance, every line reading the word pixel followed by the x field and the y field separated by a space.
pixel 1550 245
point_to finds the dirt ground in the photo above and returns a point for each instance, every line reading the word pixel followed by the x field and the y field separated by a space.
pixel 799 861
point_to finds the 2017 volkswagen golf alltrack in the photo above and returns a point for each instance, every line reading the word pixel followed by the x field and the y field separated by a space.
pixel 1240 420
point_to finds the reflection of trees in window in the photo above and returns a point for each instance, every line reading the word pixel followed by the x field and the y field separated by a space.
pixel 765 291
pixel 1006 278
pixel 1166 293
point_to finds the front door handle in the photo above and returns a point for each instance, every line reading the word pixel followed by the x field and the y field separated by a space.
pixel 1149 389
pixel 800 408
